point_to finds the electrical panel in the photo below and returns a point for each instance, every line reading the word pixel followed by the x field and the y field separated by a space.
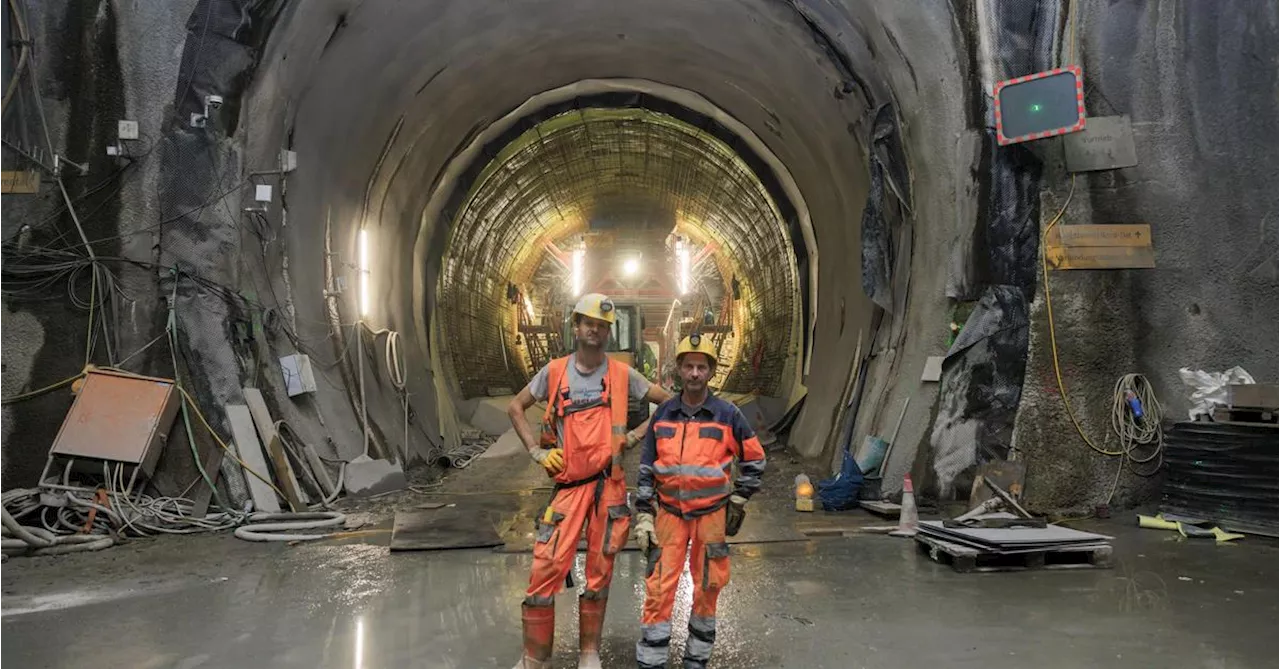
pixel 262 193
pixel 299 377
pixel 126 130
pixel 1038 106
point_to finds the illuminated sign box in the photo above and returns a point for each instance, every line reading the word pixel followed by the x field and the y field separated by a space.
pixel 1038 106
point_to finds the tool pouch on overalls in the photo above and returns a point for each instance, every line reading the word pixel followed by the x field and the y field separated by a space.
pixel 715 571
pixel 617 528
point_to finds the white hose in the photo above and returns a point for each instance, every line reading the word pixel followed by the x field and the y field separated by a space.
pixel 33 541
pixel 270 526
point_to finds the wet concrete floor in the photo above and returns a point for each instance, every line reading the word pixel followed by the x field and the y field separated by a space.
pixel 866 601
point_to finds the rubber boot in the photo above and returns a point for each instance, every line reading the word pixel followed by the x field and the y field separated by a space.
pixel 539 636
pixel 590 627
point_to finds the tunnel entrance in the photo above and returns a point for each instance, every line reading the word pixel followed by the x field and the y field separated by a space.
pixel 656 205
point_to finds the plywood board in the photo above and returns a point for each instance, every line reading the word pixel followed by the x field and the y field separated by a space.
pixel 1100 257
pixel 1009 475
pixel 250 451
pixel 932 369
pixel 21 182
pixel 1119 234
pixel 275 449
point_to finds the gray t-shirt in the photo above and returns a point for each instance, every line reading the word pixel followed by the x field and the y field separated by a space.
pixel 584 389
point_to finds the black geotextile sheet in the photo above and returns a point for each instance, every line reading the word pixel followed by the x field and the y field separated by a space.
pixel 1222 473
pixel 981 384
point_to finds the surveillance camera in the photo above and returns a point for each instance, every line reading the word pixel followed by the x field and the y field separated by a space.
pixel 213 101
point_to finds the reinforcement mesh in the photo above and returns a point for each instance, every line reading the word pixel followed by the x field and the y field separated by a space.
pixel 547 184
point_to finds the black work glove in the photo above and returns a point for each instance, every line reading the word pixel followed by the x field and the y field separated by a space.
pixel 734 514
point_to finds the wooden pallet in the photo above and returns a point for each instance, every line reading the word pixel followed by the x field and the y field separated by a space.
pixel 965 559
pixel 1244 416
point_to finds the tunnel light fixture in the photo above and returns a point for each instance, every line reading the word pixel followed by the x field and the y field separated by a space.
pixel 631 266
pixel 682 256
pixel 364 272
pixel 579 270
pixel 528 306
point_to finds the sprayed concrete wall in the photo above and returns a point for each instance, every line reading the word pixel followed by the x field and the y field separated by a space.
pixel 377 102
pixel 1204 120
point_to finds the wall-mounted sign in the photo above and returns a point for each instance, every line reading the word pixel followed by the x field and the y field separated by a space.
pixel 21 182
pixel 1038 106
pixel 1106 143
pixel 1100 247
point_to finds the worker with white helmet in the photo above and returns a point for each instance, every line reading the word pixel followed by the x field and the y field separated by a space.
pixel 583 437
pixel 687 503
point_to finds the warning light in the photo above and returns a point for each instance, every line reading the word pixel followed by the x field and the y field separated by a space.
pixel 1041 105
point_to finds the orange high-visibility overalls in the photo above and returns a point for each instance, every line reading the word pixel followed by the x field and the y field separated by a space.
pixel 685 468
pixel 590 491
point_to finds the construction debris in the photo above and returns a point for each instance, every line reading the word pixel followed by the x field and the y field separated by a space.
pixel 1005 542
pixel 1187 529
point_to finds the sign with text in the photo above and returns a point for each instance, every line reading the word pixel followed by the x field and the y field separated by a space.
pixel 1106 143
pixel 1100 247
pixel 21 182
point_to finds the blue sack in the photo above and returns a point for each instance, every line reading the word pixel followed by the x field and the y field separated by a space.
pixel 841 492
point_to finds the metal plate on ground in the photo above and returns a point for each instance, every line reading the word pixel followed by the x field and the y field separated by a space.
pixel 758 529
pixel 449 527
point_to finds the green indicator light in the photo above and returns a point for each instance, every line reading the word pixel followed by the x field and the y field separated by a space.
pixel 1035 108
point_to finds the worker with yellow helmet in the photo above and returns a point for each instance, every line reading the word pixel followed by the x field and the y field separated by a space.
pixel 583 437
pixel 686 502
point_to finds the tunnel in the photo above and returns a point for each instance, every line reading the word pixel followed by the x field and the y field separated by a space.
pixel 476 181
pixel 815 185
pixel 628 178
pixel 331 242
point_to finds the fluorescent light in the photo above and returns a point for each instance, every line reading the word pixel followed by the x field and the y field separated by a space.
pixel 683 252
pixel 631 266
pixel 359 659
pixel 528 305
pixel 579 269
pixel 364 272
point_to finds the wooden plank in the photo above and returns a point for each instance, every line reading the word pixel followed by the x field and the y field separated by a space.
pixel 250 451
pixel 1100 257
pixel 965 559
pixel 203 493
pixel 275 449
pixel 1136 235
pixel 1008 475
pixel 20 182
pixel 1254 396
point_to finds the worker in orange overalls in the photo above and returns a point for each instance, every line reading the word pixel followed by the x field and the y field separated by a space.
pixel 685 465
pixel 583 437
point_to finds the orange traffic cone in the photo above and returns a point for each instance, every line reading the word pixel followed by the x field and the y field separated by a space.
pixel 909 517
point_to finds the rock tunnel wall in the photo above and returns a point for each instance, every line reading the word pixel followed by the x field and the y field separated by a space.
pixel 385 104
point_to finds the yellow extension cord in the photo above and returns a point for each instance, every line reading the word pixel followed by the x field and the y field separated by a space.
pixel 186 396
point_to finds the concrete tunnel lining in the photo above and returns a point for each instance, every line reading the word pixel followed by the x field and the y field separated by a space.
pixel 757 250
pixel 397 129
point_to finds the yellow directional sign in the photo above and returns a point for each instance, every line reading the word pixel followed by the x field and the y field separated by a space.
pixel 1100 247
pixel 21 181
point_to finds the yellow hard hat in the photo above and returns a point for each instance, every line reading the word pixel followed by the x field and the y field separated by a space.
pixel 696 343
pixel 595 305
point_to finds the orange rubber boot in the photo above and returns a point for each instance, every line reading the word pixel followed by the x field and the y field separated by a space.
pixel 590 627
pixel 539 636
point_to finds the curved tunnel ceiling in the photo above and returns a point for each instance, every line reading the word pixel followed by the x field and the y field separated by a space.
pixel 389 112
pixel 634 168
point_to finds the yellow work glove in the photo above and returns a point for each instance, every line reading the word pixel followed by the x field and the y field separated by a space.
pixel 646 537
pixel 551 459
